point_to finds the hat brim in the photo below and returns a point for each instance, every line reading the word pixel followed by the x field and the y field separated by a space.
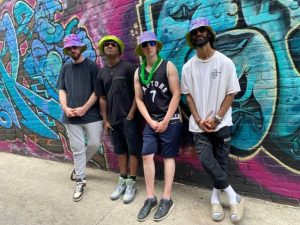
pixel 139 49
pixel 110 38
pixel 66 52
pixel 188 36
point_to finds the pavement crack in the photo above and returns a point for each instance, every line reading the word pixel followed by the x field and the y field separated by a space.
pixel 103 217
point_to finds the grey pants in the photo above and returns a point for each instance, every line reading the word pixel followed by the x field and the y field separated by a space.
pixel 213 149
pixel 85 140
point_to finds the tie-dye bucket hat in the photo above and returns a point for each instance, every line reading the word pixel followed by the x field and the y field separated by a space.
pixel 196 23
pixel 145 37
pixel 73 40
pixel 111 38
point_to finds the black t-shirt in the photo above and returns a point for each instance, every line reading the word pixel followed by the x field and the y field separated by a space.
pixel 78 81
pixel 116 83
pixel 157 94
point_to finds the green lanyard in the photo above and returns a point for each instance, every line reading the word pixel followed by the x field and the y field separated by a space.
pixel 153 69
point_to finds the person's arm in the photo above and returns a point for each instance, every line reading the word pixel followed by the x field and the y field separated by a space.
pixel 133 108
pixel 199 121
pixel 81 111
pixel 103 111
pixel 175 90
pixel 140 102
pixel 213 122
pixel 63 101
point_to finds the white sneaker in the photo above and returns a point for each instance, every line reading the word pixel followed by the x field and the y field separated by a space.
pixel 80 187
pixel 130 191
pixel 119 190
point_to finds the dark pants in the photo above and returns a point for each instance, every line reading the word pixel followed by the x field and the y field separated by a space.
pixel 213 149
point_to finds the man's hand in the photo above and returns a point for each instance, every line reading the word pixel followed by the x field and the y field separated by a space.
pixel 162 126
pixel 80 111
pixel 106 127
pixel 154 125
pixel 203 125
pixel 211 123
pixel 69 112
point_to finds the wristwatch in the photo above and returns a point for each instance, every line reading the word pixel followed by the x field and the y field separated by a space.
pixel 218 118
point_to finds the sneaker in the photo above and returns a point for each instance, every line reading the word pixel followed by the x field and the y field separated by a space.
pixel 80 187
pixel 149 205
pixel 73 175
pixel 130 191
pixel 120 189
pixel 164 208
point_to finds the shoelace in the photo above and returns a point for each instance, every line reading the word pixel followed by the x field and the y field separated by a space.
pixel 129 189
pixel 78 186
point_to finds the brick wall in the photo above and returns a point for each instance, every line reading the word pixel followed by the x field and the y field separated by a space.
pixel 261 37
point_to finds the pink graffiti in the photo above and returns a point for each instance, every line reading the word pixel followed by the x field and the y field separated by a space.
pixel 271 176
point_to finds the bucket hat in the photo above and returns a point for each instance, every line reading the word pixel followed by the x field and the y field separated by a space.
pixel 73 40
pixel 196 23
pixel 145 37
pixel 110 38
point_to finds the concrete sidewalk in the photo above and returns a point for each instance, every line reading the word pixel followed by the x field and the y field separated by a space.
pixel 35 191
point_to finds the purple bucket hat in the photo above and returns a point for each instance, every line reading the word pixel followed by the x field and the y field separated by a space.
pixel 196 23
pixel 147 36
pixel 73 40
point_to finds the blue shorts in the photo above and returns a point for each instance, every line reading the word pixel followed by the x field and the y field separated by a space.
pixel 125 138
pixel 166 143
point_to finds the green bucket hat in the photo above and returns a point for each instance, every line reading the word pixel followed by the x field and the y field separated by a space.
pixel 196 23
pixel 110 38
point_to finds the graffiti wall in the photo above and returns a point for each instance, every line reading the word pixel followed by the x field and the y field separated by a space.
pixel 262 37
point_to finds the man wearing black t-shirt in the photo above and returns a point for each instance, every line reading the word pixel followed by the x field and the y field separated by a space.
pixel 115 88
pixel 81 119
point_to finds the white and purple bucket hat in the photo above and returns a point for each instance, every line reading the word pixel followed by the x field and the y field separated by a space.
pixel 145 37
pixel 73 40
pixel 196 23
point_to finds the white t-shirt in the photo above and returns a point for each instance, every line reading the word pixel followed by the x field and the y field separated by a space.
pixel 208 82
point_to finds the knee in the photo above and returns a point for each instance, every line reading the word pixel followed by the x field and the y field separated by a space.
pixel 95 144
pixel 147 158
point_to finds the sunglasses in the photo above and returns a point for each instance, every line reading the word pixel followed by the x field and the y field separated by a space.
pixel 151 43
pixel 108 43
pixel 72 47
pixel 199 29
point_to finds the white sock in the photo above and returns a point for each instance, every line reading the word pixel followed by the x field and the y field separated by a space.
pixel 232 195
pixel 215 196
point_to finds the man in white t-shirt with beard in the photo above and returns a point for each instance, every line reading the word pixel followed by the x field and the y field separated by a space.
pixel 210 82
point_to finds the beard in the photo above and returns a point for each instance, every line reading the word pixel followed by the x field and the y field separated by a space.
pixel 200 42
pixel 75 56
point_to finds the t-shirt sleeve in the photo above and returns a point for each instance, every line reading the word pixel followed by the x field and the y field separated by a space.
pixel 99 87
pixel 233 85
pixel 184 81
pixel 61 80
pixel 94 73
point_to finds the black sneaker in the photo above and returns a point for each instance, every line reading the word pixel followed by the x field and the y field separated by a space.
pixel 164 208
pixel 149 205
pixel 73 175
pixel 80 186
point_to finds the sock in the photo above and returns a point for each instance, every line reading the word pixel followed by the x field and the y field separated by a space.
pixel 124 176
pixel 215 196
pixel 232 195
pixel 133 177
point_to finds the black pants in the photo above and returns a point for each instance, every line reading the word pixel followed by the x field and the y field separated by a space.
pixel 213 149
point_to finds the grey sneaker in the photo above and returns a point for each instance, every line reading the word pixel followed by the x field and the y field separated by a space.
pixel 80 187
pixel 120 189
pixel 164 208
pixel 130 191
pixel 149 205
pixel 73 175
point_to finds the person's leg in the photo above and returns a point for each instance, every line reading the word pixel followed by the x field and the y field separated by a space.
pixel 149 173
pixel 148 151
pixel 76 137
pixel 119 143
pixel 221 152
pixel 169 172
pixel 170 141
pixel 93 133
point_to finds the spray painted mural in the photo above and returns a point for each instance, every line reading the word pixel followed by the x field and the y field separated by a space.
pixel 260 36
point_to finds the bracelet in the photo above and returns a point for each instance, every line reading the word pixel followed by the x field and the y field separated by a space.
pixel 218 118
